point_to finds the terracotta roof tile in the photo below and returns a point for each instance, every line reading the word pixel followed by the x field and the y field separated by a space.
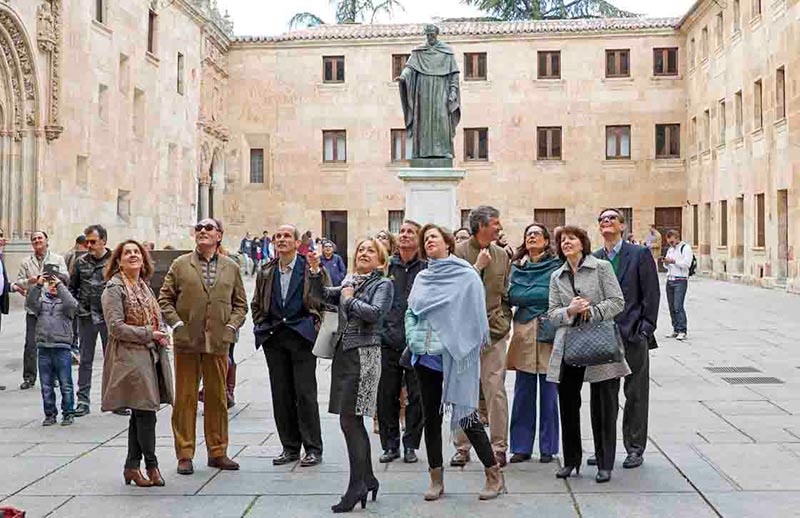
pixel 468 28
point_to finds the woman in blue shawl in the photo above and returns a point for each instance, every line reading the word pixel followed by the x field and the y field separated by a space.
pixel 446 327
pixel 531 346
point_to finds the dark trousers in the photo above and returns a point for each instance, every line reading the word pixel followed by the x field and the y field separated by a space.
pixel 293 382
pixel 76 345
pixel 142 439
pixel 676 295
pixel 392 376
pixel 604 407
pixel 56 364
pixel 29 354
pixel 523 414
pixel 88 337
pixel 430 387
pixel 637 397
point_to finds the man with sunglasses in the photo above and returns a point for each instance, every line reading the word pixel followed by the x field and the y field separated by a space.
pixel 286 321
pixel 31 269
pixel 87 283
pixel 204 301
pixel 637 276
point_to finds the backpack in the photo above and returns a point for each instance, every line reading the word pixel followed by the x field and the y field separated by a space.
pixel 693 266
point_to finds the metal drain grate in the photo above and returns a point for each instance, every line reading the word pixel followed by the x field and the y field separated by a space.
pixel 733 370
pixel 754 380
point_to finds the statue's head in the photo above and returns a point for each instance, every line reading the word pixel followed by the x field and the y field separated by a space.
pixel 431 34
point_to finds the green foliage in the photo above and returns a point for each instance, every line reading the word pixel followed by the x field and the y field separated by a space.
pixel 519 10
pixel 348 11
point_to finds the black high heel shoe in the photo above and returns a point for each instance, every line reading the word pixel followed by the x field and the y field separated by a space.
pixel 350 499
pixel 373 486
pixel 566 471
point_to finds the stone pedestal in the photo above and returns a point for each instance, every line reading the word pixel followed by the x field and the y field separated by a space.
pixel 431 195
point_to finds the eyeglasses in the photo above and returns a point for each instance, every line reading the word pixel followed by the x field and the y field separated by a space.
pixel 534 233
pixel 208 227
pixel 607 217
pixel 91 241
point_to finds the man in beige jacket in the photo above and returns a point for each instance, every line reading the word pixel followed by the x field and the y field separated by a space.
pixel 204 301
pixel 492 263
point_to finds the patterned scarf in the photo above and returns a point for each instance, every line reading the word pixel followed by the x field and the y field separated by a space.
pixel 141 306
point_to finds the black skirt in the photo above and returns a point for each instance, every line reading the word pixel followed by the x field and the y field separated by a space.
pixel 354 381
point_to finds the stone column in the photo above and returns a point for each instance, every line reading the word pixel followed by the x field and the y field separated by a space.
pixel 203 201
pixel 431 195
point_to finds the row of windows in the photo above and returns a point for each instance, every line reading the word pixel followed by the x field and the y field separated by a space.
pixel 756 10
pixel 759 217
pixel 476 145
pixel 101 16
pixel 702 139
pixel 618 64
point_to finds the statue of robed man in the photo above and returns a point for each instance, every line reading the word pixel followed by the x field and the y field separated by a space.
pixel 430 96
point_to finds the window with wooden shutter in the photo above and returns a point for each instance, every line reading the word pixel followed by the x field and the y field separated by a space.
pixel 549 65
pixel 618 142
pixel 665 61
pixel 334 146
pixel 256 166
pixel 475 66
pixel 476 144
pixel 549 143
pixel 398 63
pixel 668 140
pixel 760 222
pixel 333 69
pixel 723 223
pixel 780 93
pixel 758 115
pixel 618 63
pixel 401 145
pixel 551 218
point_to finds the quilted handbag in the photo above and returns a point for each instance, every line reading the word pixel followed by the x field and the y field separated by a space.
pixel 592 343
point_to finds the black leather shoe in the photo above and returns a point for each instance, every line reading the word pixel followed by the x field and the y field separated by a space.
pixel 519 457
pixel 603 475
pixel 410 456
pixel 285 458
pixel 591 461
pixel 81 410
pixel 389 455
pixel 633 460
pixel 311 459
pixel 27 384
pixel 566 471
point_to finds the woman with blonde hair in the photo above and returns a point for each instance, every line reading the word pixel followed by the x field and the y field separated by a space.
pixel 136 367
pixel 364 299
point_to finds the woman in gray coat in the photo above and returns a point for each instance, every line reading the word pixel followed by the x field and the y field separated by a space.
pixel 584 288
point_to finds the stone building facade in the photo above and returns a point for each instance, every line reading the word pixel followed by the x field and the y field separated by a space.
pixel 143 115
pixel 110 112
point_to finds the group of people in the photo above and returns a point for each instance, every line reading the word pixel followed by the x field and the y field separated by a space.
pixel 441 315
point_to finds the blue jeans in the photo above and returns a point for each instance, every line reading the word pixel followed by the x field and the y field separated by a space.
pixel 676 295
pixel 56 364
pixel 523 414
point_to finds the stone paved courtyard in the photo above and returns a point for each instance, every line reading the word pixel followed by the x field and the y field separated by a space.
pixel 716 449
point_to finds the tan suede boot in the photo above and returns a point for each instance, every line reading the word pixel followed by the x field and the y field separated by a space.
pixel 436 490
pixel 495 483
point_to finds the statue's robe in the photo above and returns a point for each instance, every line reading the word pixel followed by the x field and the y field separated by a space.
pixel 428 78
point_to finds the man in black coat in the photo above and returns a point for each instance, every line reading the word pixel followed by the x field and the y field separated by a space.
pixel 638 278
pixel 5 287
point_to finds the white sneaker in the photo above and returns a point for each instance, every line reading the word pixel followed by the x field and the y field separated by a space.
pixel 671 335
pixel 681 336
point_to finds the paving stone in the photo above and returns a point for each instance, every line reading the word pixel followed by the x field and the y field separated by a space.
pixel 63 449
pixel 35 506
pixel 18 472
pixel 644 505
pixel 151 505
pixel 757 504
pixel 656 475
pixel 738 408
pixel 755 467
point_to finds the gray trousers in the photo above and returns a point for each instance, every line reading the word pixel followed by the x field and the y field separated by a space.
pixel 29 360
pixel 637 397
pixel 88 331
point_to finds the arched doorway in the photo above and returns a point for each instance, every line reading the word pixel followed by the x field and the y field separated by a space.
pixel 20 127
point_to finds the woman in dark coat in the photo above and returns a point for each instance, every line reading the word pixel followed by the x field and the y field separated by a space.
pixel 364 299
pixel 136 367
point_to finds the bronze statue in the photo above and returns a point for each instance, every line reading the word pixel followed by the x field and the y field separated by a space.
pixel 430 96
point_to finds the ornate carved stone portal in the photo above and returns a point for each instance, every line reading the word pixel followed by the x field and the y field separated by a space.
pixel 21 125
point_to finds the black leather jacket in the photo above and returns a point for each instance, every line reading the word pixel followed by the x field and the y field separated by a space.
pixel 361 316
pixel 87 283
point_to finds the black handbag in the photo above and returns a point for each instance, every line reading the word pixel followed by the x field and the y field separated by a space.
pixel 587 344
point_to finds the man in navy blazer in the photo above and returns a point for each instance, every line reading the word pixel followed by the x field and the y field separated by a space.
pixel 638 278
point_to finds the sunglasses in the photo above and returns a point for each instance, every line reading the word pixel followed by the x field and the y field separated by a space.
pixel 208 227
pixel 609 217
pixel 534 233
pixel 91 241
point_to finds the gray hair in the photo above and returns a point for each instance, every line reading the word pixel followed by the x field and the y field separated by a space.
pixel 481 214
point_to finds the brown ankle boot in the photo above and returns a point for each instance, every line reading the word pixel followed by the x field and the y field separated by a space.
pixel 495 483
pixel 436 489
pixel 223 463
pixel 230 384
pixel 135 476
pixel 154 474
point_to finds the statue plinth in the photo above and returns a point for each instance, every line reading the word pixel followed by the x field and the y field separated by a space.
pixel 431 194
